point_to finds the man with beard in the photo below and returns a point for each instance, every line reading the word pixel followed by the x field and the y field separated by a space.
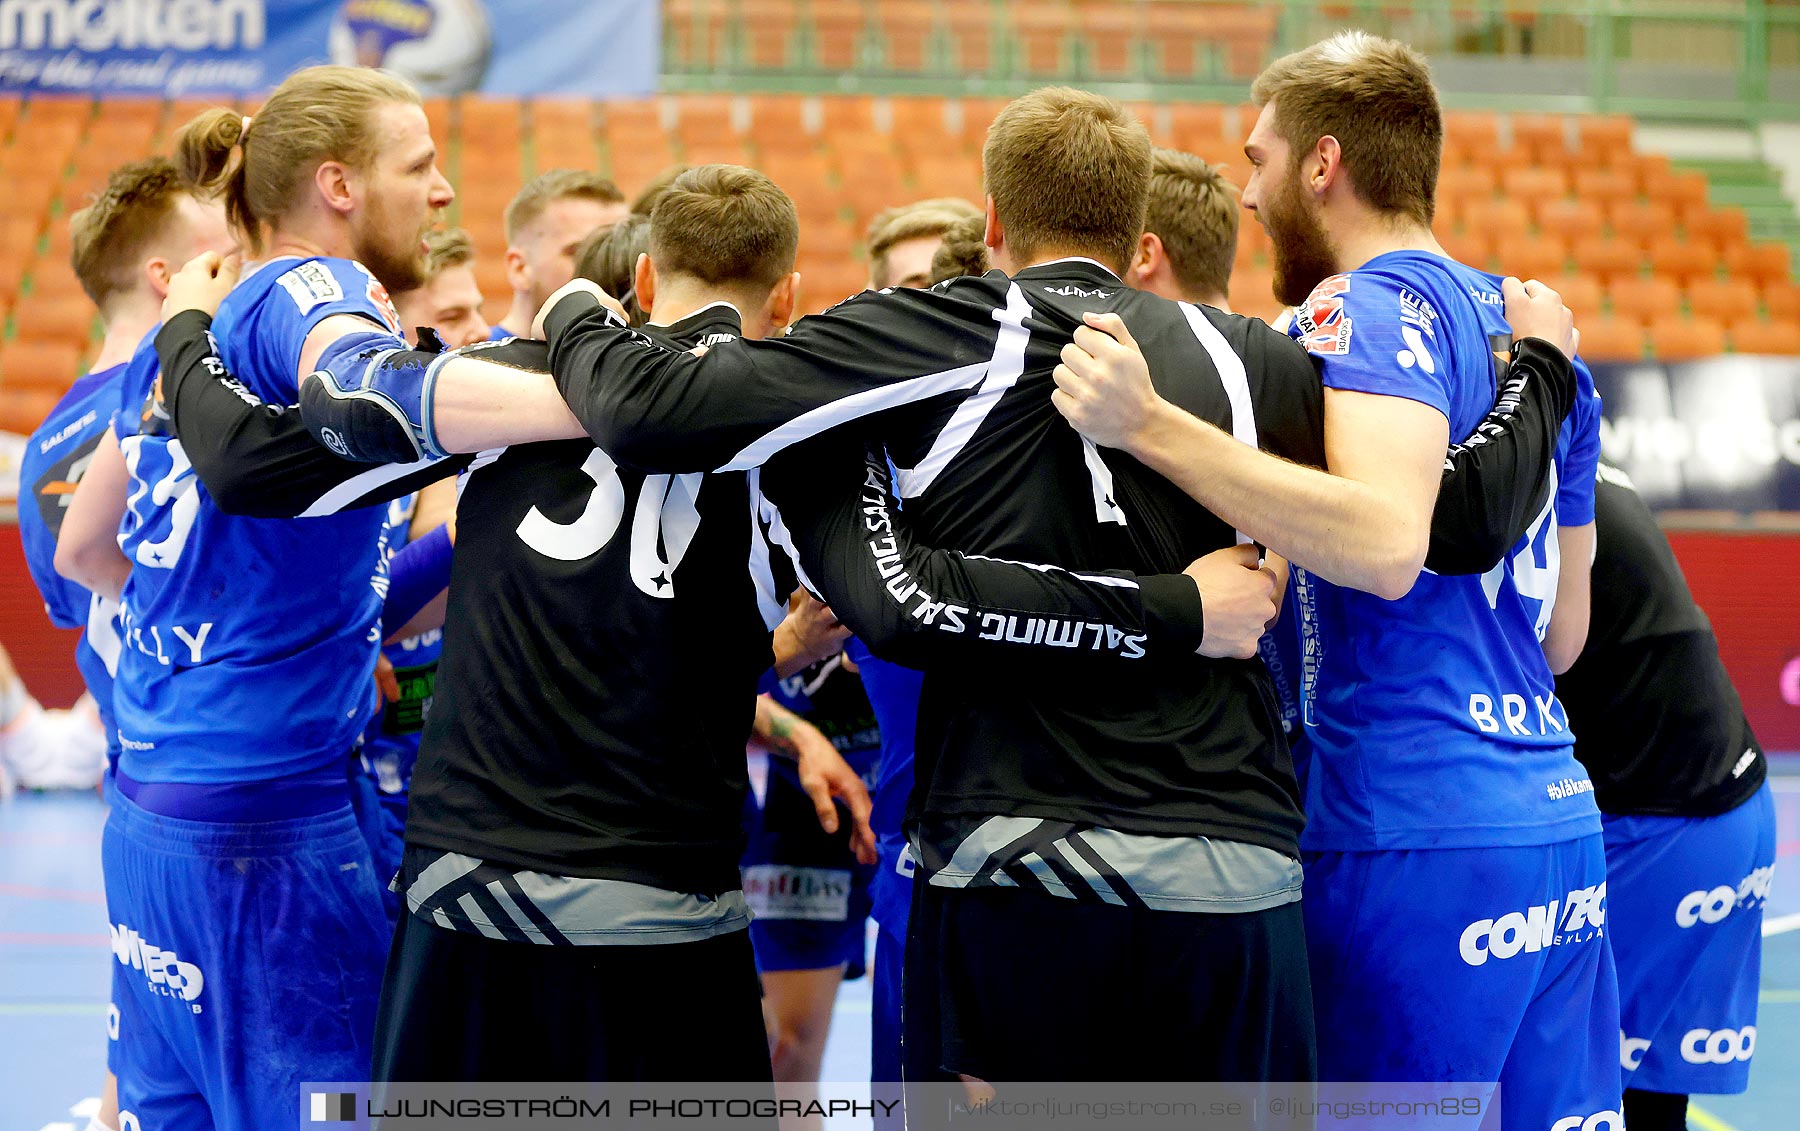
pixel 245 906
pixel 1441 760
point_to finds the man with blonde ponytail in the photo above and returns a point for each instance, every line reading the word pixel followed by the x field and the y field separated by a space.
pixel 240 890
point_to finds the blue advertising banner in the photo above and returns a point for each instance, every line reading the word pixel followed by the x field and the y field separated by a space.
pixel 1719 434
pixel 178 48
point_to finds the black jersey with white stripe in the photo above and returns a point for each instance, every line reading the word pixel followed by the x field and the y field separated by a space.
pixel 1657 723
pixel 602 645
pixel 954 383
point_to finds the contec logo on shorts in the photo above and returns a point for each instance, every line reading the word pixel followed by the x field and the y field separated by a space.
pixel 167 974
pixel 1574 919
pixel 1712 906
pixel 1718 1046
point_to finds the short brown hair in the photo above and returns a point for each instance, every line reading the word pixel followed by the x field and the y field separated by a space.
pixel 919 220
pixel 1194 211
pixel 1376 97
pixel 645 201
pixel 725 225
pixel 1068 170
pixel 446 248
pixel 546 188
pixel 608 256
pixel 109 237
pixel 963 252
pixel 324 113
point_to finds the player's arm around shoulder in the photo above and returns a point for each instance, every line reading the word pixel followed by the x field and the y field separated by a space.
pixel 1364 523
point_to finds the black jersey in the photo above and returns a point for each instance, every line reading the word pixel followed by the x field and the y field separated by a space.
pixel 955 383
pixel 1656 720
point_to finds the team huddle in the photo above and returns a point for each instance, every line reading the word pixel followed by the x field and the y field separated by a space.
pixel 1184 698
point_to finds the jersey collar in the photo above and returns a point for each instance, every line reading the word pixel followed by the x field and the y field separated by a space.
pixel 714 318
pixel 1071 267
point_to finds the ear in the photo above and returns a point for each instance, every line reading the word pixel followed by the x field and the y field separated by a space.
pixel 782 300
pixel 159 271
pixel 643 280
pixel 1150 256
pixel 337 186
pixel 994 236
pixel 1324 166
pixel 515 271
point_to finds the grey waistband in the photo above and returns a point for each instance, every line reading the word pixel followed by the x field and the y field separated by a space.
pixel 462 893
pixel 1125 869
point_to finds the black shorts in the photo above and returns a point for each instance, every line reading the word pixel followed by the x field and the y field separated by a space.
pixel 464 1007
pixel 1019 986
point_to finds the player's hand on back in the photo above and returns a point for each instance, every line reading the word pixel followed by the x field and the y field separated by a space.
pixel 1103 384
pixel 1535 311
pixel 574 286
pixel 1238 598
pixel 809 633
pixel 201 284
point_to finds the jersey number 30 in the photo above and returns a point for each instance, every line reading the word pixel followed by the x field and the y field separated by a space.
pixel 663 524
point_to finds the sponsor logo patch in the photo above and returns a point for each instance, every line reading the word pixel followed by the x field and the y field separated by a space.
pixel 1324 325
pixel 782 891
pixel 311 284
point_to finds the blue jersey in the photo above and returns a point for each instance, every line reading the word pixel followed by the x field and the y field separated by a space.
pixel 893 692
pixel 56 457
pixel 1433 720
pixel 249 643
pixel 391 743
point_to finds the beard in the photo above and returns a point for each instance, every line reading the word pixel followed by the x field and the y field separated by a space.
pixel 397 263
pixel 1303 253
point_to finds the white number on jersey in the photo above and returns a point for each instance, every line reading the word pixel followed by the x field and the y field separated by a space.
pixel 1536 568
pixel 663 524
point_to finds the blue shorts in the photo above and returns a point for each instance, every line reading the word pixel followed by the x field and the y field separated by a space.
pixel 1685 901
pixel 382 817
pixel 809 895
pixel 248 960
pixel 1470 965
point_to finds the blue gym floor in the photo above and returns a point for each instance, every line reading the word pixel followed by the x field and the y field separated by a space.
pixel 55 958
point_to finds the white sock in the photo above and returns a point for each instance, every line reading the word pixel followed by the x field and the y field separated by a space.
pixel 13 698
pixel 94 1124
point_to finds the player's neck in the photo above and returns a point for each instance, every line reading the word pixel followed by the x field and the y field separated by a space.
pixel 1366 235
pixel 302 242
pixel 519 316
pixel 124 330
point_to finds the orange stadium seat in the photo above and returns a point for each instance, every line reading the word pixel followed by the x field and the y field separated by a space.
pixel 837 34
pixel 1640 221
pixel 1532 257
pixel 971 27
pixel 778 121
pixel 1568 217
pixel 1606 137
pixel 1686 339
pixel 849 114
pixel 1111 34
pixel 1781 299
pixel 1611 339
pixel 1535 133
pixel 1607 257
pixel 1728 300
pixel 1674 187
pixel 1176 32
pixel 1582 294
pixel 1464 183
pixel 1499 218
pixel 1683 259
pixel 707 119
pixel 1777 337
pixel 22 410
pixel 1471 247
pixel 915 118
pixel 1041 37
pixel 1764 262
pixel 1605 185
pixel 905 28
pixel 38 363
pixel 1646 298
pixel 1722 227
pixel 1197 125
pixel 768 33
pixel 1253 293
pixel 1528 183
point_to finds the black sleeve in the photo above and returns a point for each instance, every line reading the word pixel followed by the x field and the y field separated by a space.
pixel 258 459
pixel 665 411
pixel 920 607
pixel 1482 512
